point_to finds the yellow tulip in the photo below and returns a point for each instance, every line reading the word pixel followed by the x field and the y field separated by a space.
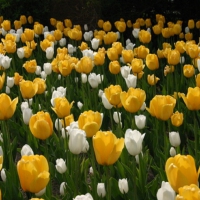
pixel 83 46
pixel 41 85
pixel 157 29
pixel 107 26
pixel 112 94
pixel 38 29
pixel 84 65
pixel 53 21
pixel 162 107
pixel 57 34
pixel 114 67
pixel 68 120
pixel 152 79
pixel 90 122
pixel 45 44
pixel 28 89
pixel 36 199
pixel 17 24
pixel 188 70
pixel 133 99
pixel 177 29
pixel 166 32
pixel 68 23
pixel 120 26
pixel 181 171
pixel 110 37
pixel 127 55
pixel 100 23
pixel 192 50
pixel 9 46
pixel 30 19
pixel 27 51
pixel 64 67
pixel 144 36
pixel 50 37
pixel 8 106
pixel 62 107
pixel 192 99
pixel 107 147
pixel 33 172
pixel 152 61
pixel 173 57
pixel 17 78
pixel 177 119
pixel 30 66
pixel 60 26
pixel 41 125
pixel 180 46
pixel 198 24
pixel 188 36
pixel 29 34
pixel 191 24
pixel 118 46
pixel 129 24
pixel 112 53
pixel 141 51
pixel 99 58
pixel 2 80
pixel 6 25
pixel 188 192
pixel 137 65
pixel 75 34
pixel 23 19
pixel 148 23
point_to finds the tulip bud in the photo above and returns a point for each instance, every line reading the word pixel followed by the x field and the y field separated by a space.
pixel 24 105
pixel 174 139
pixel 125 71
pixel 93 81
pixel 95 43
pixel 83 78
pixel 3 175
pixel 58 124
pixel 123 185
pixel 61 166
pixel 131 80
pixel 80 105
pixel 47 68
pixel 26 150
pixel 101 191
pixel 140 121
pixel 7 90
pixel 20 53
pixel 63 42
pixel 100 93
pixel 165 192
pixel 63 188
pixel 27 113
pixel 91 171
pixel 117 117
pixel 59 76
pixel 49 52
pixel 43 75
pixel 135 32
pixel 172 151
pixel 38 70
pixel 105 102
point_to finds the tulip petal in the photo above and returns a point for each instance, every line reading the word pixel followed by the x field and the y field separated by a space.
pixel 91 128
pixel 11 108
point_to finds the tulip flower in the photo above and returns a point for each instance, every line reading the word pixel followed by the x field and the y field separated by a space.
pixel 174 139
pixel 26 150
pixel 137 65
pixel 131 81
pixel 61 166
pixel 133 141
pixel 112 93
pixel 28 89
pixel 5 61
pixel 172 151
pixel 2 80
pixel 77 141
pixel 63 188
pixel 188 70
pixel 140 121
pixel 133 99
pixel 165 192
pixel 192 99
pixel 8 108
pixel 36 168
pixel 6 25
pixel 177 119
pixel 162 107
pixel 127 55
pixel 110 37
pixel 41 125
pixel 3 175
pixel 112 54
pixel 87 196
pixel 120 26
pixel 177 169
pixel 101 191
pixel 90 122
pixel 107 147
pixel 62 107
pixel 105 101
pixel 152 61
pixel 99 58
pixel 188 192
pixel 123 185
pixel 107 26
pixel 84 65
pixel 26 114
pixel 152 79
pixel 144 36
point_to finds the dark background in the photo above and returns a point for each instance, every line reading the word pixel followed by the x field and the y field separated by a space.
pixel 89 11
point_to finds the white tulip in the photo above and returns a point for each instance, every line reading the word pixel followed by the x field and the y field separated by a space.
pixel 172 151
pixel 26 150
pixel 88 36
pixel 174 138
pixel 95 43
pixel 87 196
pixel 133 141
pixel 101 190
pixel 100 93
pixel 49 52
pixel 24 105
pixel 125 71
pixel 123 185
pixel 38 70
pixel 93 80
pixel 70 48
pixel 47 68
pixel 63 42
pixel 10 81
pixel 63 188
pixel 40 193
pixel 20 53
pixel 80 105
pixel 165 192
pixel 83 78
pixel 43 75
pixel 7 90
pixel 61 166
pixel 91 171
pixel 5 62
pixel 105 102
pixel 143 107
pixel 131 81
pixel 88 53
pixel 58 124
pixel 140 121
pixel 85 27
pixel 117 117
pixel 26 114
pixel 135 32
pixel 3 175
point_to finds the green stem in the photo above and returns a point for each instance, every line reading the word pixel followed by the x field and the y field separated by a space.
pixel 108 183
pixel 134 180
